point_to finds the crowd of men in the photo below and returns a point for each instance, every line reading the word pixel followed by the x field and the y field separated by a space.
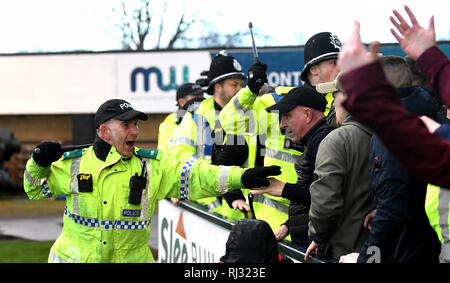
pixel 351 187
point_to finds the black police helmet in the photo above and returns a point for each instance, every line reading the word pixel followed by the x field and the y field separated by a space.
pixel 223 67
pixel 320 47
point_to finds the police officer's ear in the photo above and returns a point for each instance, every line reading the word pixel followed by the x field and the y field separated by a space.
pixel 314 70
pixel 105 132
pixel 181 102
pixel 218 87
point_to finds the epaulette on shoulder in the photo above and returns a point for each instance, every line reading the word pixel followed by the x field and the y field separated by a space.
pixel 148 153
pixel 281 90
pixel 73 153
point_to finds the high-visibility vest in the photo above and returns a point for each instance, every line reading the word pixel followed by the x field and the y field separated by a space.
pixel 165 131
pixel 194 136
pixel 100 223
pixel 274 210
pixel 329 97
pixel 437 206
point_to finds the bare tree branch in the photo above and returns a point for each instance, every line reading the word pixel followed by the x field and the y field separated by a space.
pixel 161 26
pixel 137 31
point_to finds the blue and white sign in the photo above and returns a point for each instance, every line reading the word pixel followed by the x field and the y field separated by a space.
pixel 151 80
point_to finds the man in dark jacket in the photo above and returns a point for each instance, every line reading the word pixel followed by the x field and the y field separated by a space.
pixel 304 121
pixel 400 230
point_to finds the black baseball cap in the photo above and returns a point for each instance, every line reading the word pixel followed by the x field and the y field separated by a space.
pixel 118 109
pixel 189 88
pixel 300 96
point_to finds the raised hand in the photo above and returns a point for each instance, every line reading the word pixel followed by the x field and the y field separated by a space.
pixel 414 39
pixel 257 76
pixel 47 152
pixel 354 53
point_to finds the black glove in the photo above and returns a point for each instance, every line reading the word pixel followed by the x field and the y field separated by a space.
pixel 47 152
pixel 256 177
pixel 257 76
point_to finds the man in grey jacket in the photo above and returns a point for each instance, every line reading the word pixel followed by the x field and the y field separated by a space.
pixel 341 196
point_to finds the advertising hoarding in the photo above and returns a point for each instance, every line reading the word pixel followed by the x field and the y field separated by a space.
pixel 185 237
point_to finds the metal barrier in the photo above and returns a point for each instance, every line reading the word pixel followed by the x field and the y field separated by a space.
pixel 285 247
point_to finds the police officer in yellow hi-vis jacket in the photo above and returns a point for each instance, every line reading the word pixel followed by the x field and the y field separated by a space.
pixel 112 188
pixel 201 133
pixel 245 116
pixel 188 98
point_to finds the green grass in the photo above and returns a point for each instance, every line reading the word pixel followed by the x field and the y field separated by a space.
pixel 24 251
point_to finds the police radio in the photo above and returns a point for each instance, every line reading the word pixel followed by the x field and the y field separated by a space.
pixel 137 185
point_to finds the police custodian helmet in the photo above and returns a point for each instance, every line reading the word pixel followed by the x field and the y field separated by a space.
pixel 223 67
pixel 320 47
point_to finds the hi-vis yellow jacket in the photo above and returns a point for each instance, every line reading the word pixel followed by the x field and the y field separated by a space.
pixel 194 134
pixel 100 224
pixel 437 207
pixel 165 131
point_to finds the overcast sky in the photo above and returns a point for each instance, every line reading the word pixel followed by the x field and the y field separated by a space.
pixel 64 25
